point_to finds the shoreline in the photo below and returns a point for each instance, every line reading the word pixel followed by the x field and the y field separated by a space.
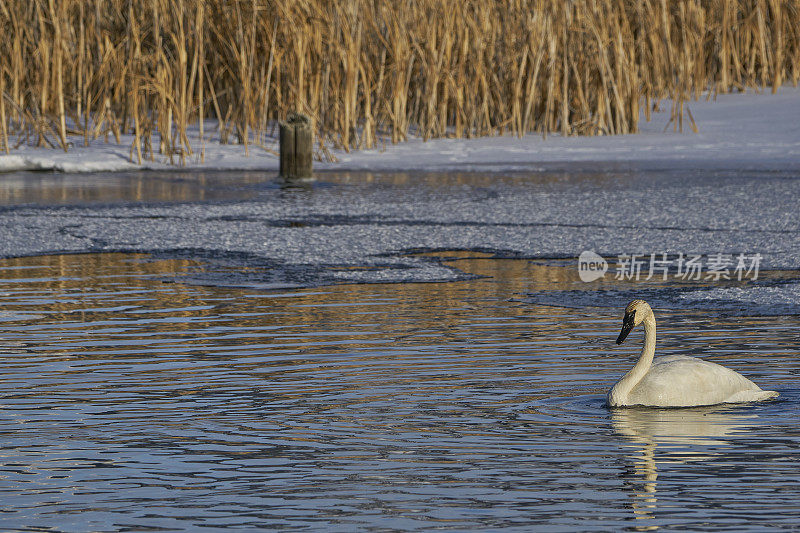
pixel 745 131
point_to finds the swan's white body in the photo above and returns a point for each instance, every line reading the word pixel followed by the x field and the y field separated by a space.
pixel 676 381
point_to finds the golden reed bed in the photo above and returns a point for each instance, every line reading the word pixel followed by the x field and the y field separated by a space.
pixel 370 70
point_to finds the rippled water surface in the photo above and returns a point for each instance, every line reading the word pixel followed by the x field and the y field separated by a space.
pixel 130 400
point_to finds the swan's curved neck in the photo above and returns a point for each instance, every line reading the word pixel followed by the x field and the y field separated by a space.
pixel 635 374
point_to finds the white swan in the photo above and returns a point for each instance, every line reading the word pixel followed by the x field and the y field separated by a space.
pixel 675 380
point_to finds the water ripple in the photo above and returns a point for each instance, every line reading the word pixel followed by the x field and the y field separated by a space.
pixel 128 403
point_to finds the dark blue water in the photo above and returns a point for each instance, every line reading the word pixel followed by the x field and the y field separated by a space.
pixel 132 400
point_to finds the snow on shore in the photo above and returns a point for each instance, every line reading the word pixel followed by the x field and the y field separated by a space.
pixel 753 131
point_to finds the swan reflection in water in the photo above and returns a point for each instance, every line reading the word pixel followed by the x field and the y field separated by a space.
pixel 663 436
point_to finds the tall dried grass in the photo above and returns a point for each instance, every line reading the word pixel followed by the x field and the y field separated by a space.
pixel 367 70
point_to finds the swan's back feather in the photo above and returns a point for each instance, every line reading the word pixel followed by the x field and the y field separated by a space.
pixel 678 381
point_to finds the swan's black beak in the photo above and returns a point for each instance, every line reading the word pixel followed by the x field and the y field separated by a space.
pixel 627 326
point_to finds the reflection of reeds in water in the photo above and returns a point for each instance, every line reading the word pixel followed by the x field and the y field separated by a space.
pixel 43 188
pixel 420 312
pixel 370 70
pixel 67 274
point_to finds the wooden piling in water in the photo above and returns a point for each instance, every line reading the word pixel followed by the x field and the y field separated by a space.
pixel 296 141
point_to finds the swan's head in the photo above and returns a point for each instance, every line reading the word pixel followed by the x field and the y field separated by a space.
pixel 636 311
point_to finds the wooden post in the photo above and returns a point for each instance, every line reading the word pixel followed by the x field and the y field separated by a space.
pixel 296 141
pixel 288 159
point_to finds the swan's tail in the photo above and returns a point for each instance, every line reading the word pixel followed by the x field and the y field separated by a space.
pixel 767 394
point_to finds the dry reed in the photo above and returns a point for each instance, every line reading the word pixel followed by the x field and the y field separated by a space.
pixel 367 70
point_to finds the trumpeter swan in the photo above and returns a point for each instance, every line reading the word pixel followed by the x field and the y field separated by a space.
pixel 675 380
